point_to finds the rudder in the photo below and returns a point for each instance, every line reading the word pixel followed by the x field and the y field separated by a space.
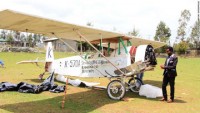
pixel 49 52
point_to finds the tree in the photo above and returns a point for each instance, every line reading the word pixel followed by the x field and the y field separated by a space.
pixel 23 38
pixel 184 19
pixel 162 33
pixel 36 39
pixel 10 38
pixel 30 40
pixel 195 34
pixel 181 47
pixel 3 34
pixel 16 35
pixel 135 32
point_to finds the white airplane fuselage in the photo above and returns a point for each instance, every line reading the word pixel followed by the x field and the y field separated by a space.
pixel 97 66
pixel 94 67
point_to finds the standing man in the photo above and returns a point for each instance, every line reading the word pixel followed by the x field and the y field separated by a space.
pixel 169 74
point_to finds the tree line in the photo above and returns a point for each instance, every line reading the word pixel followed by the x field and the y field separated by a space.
pixel 16 38
pixel 184 40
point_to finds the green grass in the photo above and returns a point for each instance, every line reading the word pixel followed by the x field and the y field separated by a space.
pixel 83 100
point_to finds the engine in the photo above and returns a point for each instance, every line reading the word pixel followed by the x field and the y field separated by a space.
pixel 144 53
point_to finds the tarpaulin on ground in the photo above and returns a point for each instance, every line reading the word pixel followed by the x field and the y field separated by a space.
pixel 23 87
pixel 150 91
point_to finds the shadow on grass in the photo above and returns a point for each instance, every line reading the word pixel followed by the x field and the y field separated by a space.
pixel 136 95
pixel 82 102
pixel 36 80
pixel 179 101
pixel 153 82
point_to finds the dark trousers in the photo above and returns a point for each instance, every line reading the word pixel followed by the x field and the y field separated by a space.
pixel 171 81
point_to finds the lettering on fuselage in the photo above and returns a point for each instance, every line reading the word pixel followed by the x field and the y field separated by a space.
pixel 72 63
pixel 86 67
pixel 89 66
pixel 93 62
pixel 88 71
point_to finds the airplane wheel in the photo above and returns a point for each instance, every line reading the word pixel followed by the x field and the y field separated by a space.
pixel 133 85
pixel 116 90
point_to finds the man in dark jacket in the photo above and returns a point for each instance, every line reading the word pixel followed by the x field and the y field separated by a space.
pixel 169 74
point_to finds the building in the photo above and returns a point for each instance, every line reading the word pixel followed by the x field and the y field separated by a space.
pixel 60 46
pixel 3 42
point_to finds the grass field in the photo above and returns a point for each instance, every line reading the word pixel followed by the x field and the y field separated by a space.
pixel 83 100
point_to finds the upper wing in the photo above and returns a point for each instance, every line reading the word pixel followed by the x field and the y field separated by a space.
pixel 136 41
pixel 12 20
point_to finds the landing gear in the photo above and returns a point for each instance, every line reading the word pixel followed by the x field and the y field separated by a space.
pixel 116 90
pixel 135 84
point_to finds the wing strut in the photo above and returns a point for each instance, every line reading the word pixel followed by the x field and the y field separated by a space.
pixel 81 46
pixel 98 51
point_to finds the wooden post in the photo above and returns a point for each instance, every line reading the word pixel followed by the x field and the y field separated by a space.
pixel 65 94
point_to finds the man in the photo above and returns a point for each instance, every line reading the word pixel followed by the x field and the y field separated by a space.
pixel 169 74
pixel 140 76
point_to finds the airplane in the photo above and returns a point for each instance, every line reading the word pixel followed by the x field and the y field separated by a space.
pixel 130 56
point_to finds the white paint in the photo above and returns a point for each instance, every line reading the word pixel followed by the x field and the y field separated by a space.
pixel 140 53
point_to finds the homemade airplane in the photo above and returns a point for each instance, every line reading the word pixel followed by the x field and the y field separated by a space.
pixel 119 65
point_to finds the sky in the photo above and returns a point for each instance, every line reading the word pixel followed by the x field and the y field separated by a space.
pixel 112 15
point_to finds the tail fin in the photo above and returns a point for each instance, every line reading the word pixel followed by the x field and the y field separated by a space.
pixel 49 52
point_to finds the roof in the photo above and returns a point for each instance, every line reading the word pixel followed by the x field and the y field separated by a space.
pixel 3 40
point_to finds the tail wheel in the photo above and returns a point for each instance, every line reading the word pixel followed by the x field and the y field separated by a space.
pixel 116 90
pixel 135 84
